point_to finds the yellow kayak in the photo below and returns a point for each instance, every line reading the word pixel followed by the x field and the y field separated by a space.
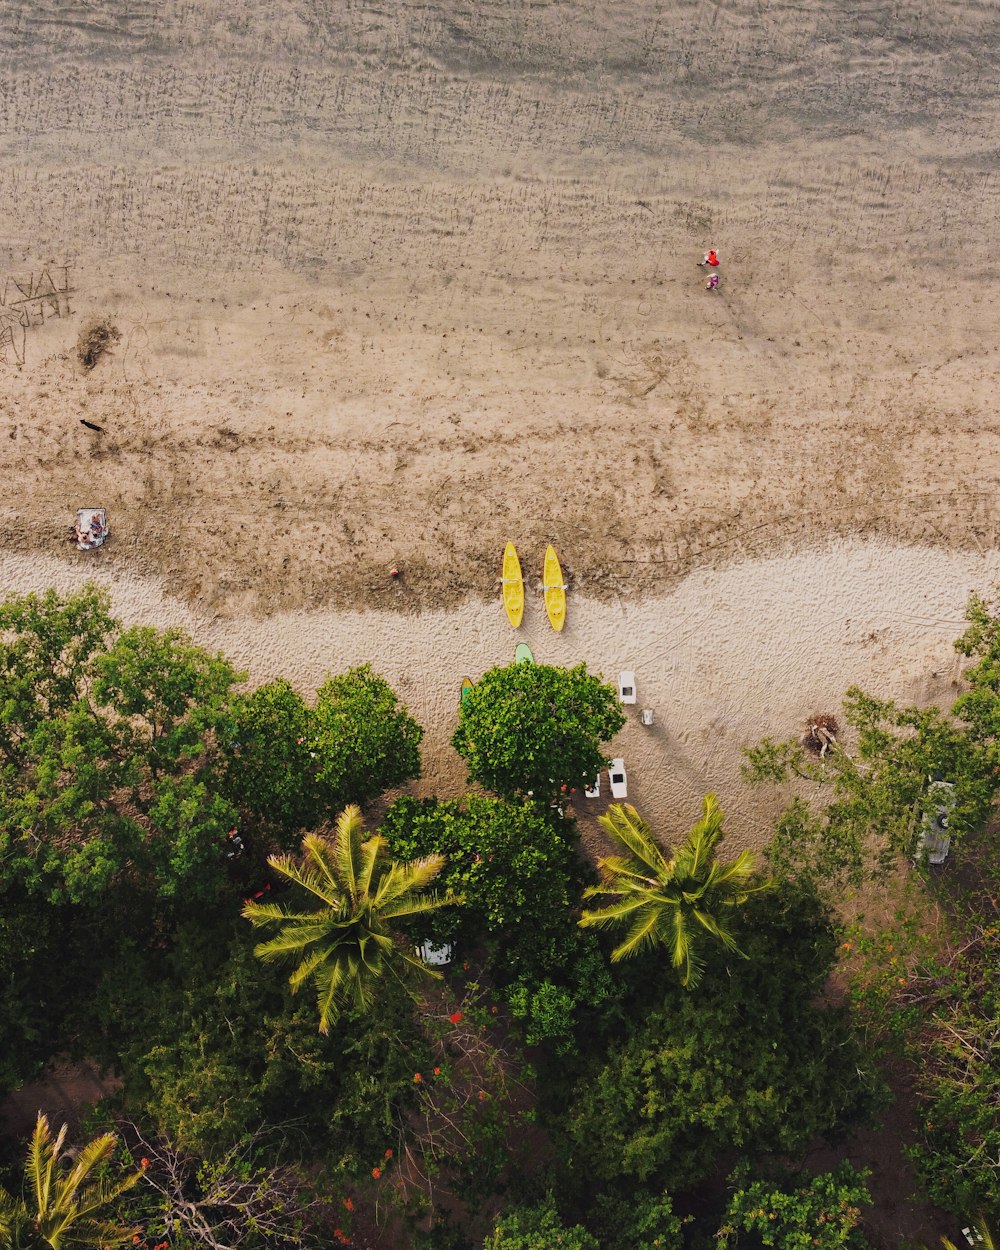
pixel 513 585
pixel 555 590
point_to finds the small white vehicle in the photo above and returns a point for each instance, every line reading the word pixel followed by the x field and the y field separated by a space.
pixel 618 779
pixel 935 841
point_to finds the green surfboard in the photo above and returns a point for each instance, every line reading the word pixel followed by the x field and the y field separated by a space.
pixel 522 654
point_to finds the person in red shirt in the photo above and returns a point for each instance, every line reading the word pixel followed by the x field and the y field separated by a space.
pixel 711 258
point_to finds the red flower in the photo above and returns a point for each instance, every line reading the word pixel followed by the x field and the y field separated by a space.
pixel 437 1071
pixel 417 1078
pixel 376 1172
pixel 348 1204
pixel 455 1017
pixel 144 1163
pixel 388 1153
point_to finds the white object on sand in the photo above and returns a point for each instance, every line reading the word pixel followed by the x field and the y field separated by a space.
pixel 626 687
pixel 91 528
pixel 594 791
pixel 619 781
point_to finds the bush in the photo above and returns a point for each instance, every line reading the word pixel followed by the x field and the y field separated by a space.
pixel 519 875
pixel 533 730
pixel 804 1213
pixel 537 1228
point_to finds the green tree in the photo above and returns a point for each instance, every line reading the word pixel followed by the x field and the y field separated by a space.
pixel 346 945
pixel 801 1214
pixel 64 1211
pixel 167 694
pixel 752 1062
pixel 233 1051
pixel 365 740
pixel 671 903
pixel 109 770
pixel 880 792
pixel 46 645
pixel 532 730
pixel 537 1228
pixel 270 763
pixel 642 1221
pixel 515 868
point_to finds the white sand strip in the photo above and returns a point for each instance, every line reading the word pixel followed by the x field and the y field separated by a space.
pixel 726 658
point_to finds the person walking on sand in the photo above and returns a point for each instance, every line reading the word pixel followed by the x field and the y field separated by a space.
pixel 711 258
pixel 713 282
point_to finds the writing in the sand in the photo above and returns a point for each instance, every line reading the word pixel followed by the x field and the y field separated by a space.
pixel 30 300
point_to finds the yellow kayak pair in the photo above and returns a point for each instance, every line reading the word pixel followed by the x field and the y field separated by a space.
pixel 552 582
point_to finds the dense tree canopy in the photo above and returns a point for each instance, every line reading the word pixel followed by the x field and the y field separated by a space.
pixel 532 730
pixel 127 757
pixel 749 1062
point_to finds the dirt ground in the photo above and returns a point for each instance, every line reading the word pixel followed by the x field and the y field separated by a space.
pixel 397 283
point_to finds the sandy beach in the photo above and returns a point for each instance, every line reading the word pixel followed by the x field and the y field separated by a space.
pixel 393 285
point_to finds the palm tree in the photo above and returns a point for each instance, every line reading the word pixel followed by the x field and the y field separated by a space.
pixel 63 1212
pixel 671 902
pixel 346 944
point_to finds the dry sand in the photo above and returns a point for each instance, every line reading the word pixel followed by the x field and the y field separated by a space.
pixel 396 283
pixel 725 658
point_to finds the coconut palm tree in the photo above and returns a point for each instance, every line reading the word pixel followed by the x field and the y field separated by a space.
pixel 65 1201
pixel 346 944
pixel 671 902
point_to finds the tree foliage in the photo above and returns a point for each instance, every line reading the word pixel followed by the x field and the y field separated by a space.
pixel 270 765
pixel 108 768
pixel 801 1213
pixel 531 730
pixel 347 944
pixel 537 1227
pixel 364 739
pixel 671 903
pixel 67 1207
pixel 518 874
pixel 751 1062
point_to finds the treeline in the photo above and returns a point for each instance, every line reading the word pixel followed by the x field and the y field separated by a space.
pixel 606 1046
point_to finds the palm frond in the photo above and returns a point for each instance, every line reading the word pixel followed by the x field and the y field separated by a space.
pixel 263 913
pixel 94 1153
pixel 614 913
pixel 307 875
pixel 42 1155
pixel 291 941
pixel 371 857
pixel 419 904
pixel 401 879
pixel 627 827
pixel 346 847
pixel 643 934
pixel 308 966
pixel 700 844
